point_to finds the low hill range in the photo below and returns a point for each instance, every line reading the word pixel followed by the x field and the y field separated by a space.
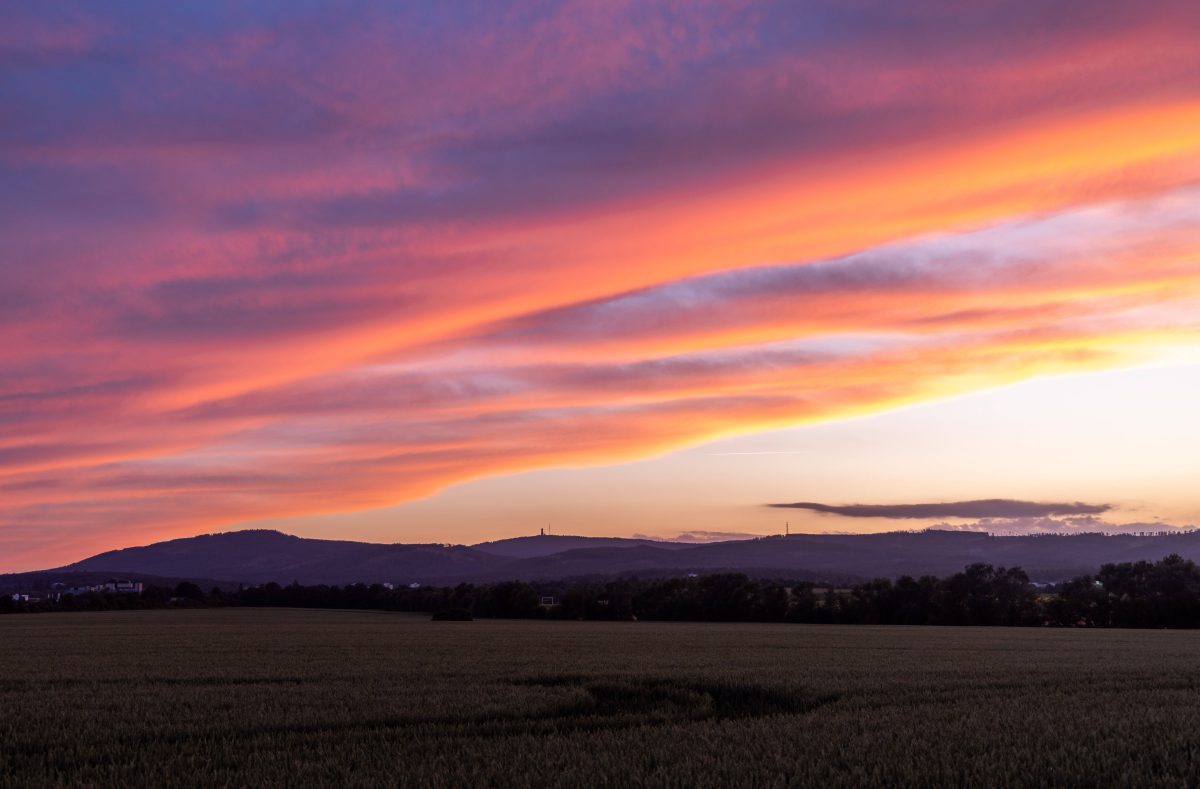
pixel 261 556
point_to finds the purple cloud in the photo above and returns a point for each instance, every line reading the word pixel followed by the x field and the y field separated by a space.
pixel 983 508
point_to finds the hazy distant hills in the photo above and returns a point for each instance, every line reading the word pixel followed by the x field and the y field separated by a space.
pixel 260 556
pixel 549 544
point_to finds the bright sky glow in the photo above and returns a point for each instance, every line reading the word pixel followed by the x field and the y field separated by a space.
pixel 447 271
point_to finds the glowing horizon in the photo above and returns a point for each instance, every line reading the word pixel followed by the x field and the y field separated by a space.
pixel 312 265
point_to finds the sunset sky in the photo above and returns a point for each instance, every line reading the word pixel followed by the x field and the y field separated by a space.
pixel 451 271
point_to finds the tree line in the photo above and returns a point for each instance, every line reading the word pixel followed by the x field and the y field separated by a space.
pixel 1132 594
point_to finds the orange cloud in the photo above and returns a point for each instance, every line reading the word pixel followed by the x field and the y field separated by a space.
pixel 247 282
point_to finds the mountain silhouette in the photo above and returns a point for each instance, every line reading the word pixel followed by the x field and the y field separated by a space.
pixel 260 556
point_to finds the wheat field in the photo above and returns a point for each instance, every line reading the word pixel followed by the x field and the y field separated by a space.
pixel 272 697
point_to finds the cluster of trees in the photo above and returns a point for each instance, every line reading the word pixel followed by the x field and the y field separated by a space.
pixel 980 595
pixel 1137 594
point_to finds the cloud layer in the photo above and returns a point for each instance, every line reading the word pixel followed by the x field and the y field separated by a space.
pixel 1000 509
pixel 308 258
pixel 1013 527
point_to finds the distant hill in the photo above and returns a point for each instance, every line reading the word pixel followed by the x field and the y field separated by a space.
pixel 550 544
pixel 259 556
pixel 862 556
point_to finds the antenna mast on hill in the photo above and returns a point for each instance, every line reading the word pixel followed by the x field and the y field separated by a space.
pixel 787 529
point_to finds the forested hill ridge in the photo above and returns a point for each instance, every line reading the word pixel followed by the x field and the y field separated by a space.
pixel 261 556
pixel 1162 594
pixel 550 544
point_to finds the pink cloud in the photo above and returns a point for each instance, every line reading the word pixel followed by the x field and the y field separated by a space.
pixel 303 260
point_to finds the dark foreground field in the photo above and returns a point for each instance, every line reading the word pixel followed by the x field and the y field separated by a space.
pixel 272 697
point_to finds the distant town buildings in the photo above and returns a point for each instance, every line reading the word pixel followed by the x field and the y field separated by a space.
pixel 112 586
pixel 59 591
